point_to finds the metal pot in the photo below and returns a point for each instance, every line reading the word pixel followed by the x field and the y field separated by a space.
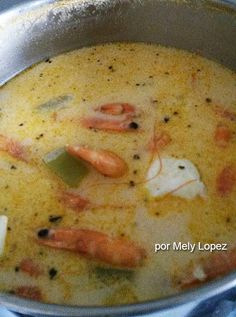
pixel 32 30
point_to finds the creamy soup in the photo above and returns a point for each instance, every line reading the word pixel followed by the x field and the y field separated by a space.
pixel 106 153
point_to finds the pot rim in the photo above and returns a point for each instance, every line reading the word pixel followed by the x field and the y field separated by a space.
pixel 202 293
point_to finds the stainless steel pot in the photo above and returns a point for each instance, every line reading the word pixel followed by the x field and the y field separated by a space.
pixel 32 30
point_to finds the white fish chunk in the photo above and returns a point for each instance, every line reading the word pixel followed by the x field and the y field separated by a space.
pixel 3 232
pixel 178 177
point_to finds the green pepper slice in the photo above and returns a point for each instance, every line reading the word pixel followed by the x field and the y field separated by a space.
pixel 70 169
pixel 106 274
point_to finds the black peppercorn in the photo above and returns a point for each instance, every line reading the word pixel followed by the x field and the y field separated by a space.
pixel 166 119
pixel 52 273
pixel 131 183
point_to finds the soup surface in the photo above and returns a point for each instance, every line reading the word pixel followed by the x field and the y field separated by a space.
pixel 107 152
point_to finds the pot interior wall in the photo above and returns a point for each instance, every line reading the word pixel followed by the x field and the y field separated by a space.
pixel 35 30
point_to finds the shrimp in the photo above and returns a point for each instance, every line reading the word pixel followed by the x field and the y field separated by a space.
pixel 116 109
pixel 105 162
pixel 224 113
pixel 222 135
pixel 159 141
pixel 125 125
pixel 29 267
pixel 13 148
pixel 207 269
pixel 226 180
pixel 124 112
pixel 94 245
pixel 73 200
pixel 31 292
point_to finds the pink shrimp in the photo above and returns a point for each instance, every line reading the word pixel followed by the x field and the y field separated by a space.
pixel 226 180
pixel 116 109
pixel 73 200
pixel 94 245
pixel 124 112
pixel 222 136
pixel 159 141
pixel 206 269
pixel 13 148
pixel 30 292
pixel 224 113
pixel 125 125
pixel 105 162
pixel 29 267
